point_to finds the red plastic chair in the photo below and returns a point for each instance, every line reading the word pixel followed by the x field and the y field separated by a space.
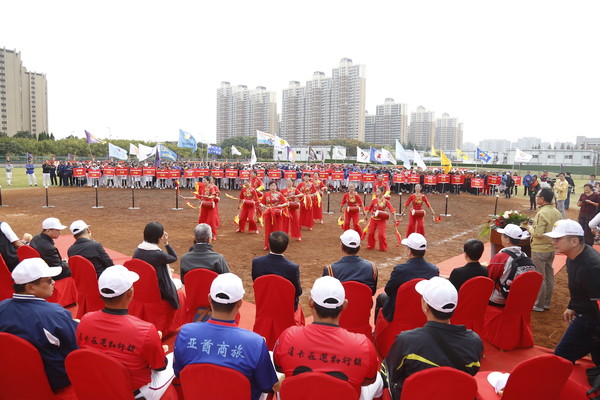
pixel 197 288
pixel 509 327
pixel 274 297
pixel 209 381
pixel 316 386
pixel 439 383
pixel 6 281
pixel 147 303
pixel 357 316
pixel 407 315
pixel 473 299
pixel 22 374
pixel 26 251
pixel 97 376
pixel 88 295
pixel 539 378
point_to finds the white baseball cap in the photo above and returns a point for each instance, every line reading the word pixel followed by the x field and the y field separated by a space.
pixel 52 223
pixel 227 288
pixel 32 269
pixel 328 292
pixel 439 293
pixel 565 227
pixel 415 241
pixel 513 231
pixel 78 226
pixel 116 280
pixel 350 238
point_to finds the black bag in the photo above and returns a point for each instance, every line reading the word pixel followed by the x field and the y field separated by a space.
pixel 519 262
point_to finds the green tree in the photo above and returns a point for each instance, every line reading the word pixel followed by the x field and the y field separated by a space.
pixel 23 134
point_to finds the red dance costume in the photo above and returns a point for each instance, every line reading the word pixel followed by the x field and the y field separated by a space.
pixel 257 184
pixel 249 199
pixel 291 221
pixel 306 204
pixel 209 214
pixel 377 224
pixel 353 203
pixel 272 216
pixel 387 190
pixel 318 203
pixel 416 221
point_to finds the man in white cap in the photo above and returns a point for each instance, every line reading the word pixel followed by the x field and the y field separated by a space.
pixel 44 244
pixel 508 263
pixel 324 346
pixel 351 267
pixel 133 342
pixel 415 267
pixel 438 343
pixel 582 336
pixel 86 247
pixel 47 326
pixel 220 341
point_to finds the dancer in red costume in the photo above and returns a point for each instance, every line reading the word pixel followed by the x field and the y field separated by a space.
pixel 258 185
pixel 381 183
pixel 291 221
pixel 209 199
pixel 273 205
pixel 352 210
pixel 320 189
pixel 247 205
pixel 306 202
pixel 380 211
pixel 417 213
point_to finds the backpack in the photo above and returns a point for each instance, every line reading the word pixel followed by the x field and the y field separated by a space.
pixel 520 264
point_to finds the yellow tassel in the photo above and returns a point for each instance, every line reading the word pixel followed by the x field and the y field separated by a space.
pixel 190 204
pixel 318 199
pixel 340 221
pixel 231 197
pixel 236 219
pixel 260 219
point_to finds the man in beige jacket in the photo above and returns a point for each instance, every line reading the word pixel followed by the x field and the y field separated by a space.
pixel 561 188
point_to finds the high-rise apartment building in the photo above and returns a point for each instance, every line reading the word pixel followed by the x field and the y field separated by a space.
pixel 448 133
pixel 528 143
pixel 391 123
pixel 348 89
pixel 23 96
pixel 370 122
pixel 240 112
pixel 293 113
pixel 422 128
pixel 318 110
pixel 495 145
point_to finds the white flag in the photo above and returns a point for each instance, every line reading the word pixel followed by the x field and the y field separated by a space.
pixel 117 152
pixel 387 156
pixel 253 157
pixel 281 143
pixel 418 160
pixel 133 150
pixel 361 155
pixel 144 152
pixel 338 153
pixel 521 156
pixel 235 151
pixel 401 155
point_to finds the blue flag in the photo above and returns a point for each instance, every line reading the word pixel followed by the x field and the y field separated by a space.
pixel 167 153
pixel 186 140
pixel 482 155
pixel 29 157
pixel 214 150
pixel 157 156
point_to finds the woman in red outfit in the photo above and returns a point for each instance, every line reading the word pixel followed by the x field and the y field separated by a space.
pixel 247 204
pixel 320 189
pixel 380 211
pixel 307 189
pixel 291 219
pixel 273 203
pixel 417 213
pixel 209 198
pixel 352 210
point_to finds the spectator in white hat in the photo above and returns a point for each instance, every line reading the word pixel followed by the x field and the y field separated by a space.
pixel 44 244
pixel 86 247
pixel 508 263
pixel 335 351
pixel 415 267
pixel 437 343
pixel 582 336
pixel 133 342
pixel 220 341
pixel 47 326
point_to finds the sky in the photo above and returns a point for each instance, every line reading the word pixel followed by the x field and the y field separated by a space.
pixel 145 69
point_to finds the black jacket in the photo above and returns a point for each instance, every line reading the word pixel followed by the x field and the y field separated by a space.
pixel 277 264
pixel 202 255
pixel 459 276
pixel 354 268
pixel 159 260
pixel 92 251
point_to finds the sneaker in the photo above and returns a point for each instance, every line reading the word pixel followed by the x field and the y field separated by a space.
pixel 546 307
pixel 538 309
pixel 299 239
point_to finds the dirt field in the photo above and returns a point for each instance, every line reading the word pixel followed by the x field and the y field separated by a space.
pixel 119 228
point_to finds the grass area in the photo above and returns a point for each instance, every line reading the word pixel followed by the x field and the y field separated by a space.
pixel 19 178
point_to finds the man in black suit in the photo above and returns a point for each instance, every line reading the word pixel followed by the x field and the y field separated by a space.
pixel 275 263
pixel 473 249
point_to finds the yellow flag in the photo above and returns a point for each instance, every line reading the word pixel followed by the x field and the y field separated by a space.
pixel 462 154
pixel 446 163
pixel 434 152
